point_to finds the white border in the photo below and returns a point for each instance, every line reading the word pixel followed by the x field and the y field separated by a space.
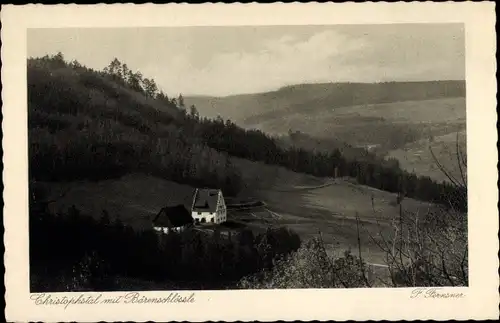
pixel 482 298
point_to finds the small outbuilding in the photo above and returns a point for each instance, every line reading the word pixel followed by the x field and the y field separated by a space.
pixel 176 218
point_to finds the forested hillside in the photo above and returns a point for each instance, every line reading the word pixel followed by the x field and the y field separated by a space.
pixel 87 124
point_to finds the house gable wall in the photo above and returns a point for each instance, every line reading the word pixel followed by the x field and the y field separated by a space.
pixel 219 216
pixel 221 209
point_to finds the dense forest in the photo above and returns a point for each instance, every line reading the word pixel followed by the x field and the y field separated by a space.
pixel 93 124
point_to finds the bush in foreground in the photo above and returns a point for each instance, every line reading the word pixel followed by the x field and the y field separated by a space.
pixel 311 267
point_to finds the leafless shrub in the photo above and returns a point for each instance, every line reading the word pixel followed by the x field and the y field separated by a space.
pixel 430 249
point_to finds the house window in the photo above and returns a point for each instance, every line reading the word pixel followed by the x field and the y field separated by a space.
pixel 212 220
pixel 203 220
pixel 211 213
pixel 199 213
pixel 197 221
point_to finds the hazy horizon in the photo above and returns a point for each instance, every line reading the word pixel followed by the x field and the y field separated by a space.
pixel 194 95
pixel 223 61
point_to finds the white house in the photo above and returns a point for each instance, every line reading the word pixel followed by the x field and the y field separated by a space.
pixel 169 219
pixel 208 206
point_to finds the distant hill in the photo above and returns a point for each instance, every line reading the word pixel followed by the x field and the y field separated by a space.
pixel 250 109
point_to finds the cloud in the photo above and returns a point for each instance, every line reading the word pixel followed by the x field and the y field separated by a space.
pixel 278 62
pixel 418 53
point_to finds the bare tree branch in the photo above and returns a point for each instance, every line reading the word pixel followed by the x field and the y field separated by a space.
pixel 464 180
pixel 361 263
pixel 450 177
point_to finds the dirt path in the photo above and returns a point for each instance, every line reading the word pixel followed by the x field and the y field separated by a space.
pixel 302 188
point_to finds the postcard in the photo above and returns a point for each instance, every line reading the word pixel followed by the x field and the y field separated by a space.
pixel 250 162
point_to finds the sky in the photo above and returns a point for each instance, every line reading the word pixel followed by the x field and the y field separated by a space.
pixel 230 60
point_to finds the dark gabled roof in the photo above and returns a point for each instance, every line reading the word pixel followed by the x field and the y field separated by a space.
pixel 174 216
pixel 205 200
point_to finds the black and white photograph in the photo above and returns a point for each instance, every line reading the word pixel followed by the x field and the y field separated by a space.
pixel 247 157
pixel 170 161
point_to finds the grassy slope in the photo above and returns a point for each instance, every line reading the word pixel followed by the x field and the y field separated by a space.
pixel 330 210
